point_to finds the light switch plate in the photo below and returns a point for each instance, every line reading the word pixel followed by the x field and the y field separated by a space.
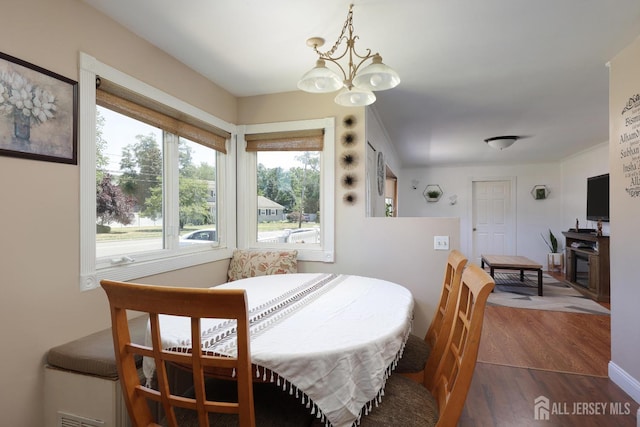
pixel 441 243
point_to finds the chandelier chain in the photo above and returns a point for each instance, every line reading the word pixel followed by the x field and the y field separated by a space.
pixel 347 24
pixel 350 40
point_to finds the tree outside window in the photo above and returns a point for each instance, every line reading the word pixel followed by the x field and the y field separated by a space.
pixel 130 198
pixel 291 180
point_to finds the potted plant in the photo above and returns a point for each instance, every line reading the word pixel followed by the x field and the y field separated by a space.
pixel 555 259
pixel 432 193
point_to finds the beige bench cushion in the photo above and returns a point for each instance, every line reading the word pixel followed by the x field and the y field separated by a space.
pixel 94 354
pixel 251 263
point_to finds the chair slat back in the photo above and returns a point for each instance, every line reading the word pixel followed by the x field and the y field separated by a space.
pixel 456 262
pixel 455 370
pixel 443 318
pixel 196 304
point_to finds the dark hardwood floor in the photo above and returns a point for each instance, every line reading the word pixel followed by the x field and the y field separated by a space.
pixel 576 343
pixel 533 355
pixel 503 396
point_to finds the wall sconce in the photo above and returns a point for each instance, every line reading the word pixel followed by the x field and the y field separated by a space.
pixel 453 199
pixel 414 184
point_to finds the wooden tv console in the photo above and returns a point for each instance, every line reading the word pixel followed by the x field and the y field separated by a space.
pixel 587 266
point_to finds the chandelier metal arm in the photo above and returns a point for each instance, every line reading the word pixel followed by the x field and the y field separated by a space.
pixel 353 69
pixel 349 48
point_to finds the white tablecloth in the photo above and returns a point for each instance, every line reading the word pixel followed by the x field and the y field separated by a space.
pixel 334 339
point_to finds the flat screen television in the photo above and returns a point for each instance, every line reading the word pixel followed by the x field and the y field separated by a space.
pixel 598 198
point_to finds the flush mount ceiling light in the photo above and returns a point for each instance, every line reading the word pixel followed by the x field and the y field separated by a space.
pixel 501 142
pixel 357 85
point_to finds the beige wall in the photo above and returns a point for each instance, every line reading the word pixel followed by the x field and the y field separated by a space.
pixel 41 305
pixel 625 227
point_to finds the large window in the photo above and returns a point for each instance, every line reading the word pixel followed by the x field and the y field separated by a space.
pixel 289 175
pixel 130 195
pixel 154 183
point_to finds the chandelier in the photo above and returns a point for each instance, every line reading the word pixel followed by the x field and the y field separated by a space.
pixel 357 84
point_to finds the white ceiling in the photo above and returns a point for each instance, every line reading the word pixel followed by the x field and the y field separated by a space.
pixel 470 69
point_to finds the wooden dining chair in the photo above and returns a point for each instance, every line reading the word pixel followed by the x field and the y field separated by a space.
pixel 205 400
pixel 196 304
pixel 409 404
pixel 417 350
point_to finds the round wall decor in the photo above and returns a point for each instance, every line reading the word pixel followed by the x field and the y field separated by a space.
pixel 349 159
pixel 350 198
pixel 349 121
pixel 348 139
pixel 349 180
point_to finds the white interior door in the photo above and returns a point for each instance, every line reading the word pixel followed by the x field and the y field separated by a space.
pixel 493 218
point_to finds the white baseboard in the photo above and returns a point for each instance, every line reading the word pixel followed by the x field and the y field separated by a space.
pixel 626 382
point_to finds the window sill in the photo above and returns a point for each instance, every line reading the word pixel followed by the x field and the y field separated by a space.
pixel 136 270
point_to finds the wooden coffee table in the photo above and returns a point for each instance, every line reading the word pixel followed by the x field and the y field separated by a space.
pixel 510 262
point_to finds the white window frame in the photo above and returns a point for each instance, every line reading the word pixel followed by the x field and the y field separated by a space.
pixel 172 258
pixel 248 182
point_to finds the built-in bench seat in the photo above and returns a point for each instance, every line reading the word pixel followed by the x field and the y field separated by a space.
pixel 94 354
pixel 81 380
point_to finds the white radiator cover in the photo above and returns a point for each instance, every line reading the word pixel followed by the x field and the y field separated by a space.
pixel 70 420
pixel 85 397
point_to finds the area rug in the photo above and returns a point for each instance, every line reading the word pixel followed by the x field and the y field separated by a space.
pixel 557 295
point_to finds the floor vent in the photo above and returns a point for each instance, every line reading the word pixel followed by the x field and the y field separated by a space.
pixel 69 420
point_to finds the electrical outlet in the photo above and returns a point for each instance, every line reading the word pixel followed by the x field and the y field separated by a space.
pixel 441 243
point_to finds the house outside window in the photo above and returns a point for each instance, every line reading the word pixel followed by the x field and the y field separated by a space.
pixel 269 211
pixel 290 169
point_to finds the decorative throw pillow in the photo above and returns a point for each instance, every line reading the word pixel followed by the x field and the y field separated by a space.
pixel 251 263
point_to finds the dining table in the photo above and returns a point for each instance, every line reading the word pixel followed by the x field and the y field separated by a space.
pixel 332 340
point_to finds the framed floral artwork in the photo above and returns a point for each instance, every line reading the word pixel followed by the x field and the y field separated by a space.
pixel 38 113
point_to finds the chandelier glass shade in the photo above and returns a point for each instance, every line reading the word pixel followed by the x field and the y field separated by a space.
pixel 376 76
pixel 357 84
pixel 320 79
pixel 355 97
